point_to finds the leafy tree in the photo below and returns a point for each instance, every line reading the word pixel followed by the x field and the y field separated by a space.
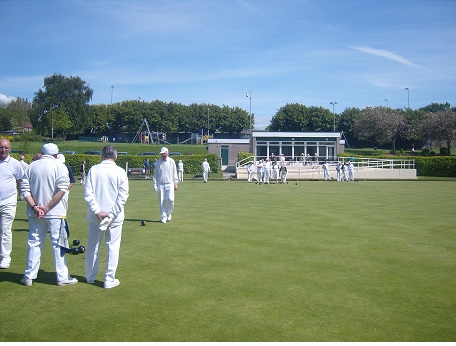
pixel 436 107
pixel 62 121
pixel 5 120
pixel 234 120
pixel 19 112
pixel 69 93
pixel 440 126
pixel 380 125
pixel 98 118
pixel 297 117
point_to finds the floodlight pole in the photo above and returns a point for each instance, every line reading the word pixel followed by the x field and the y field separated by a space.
pixel 333 103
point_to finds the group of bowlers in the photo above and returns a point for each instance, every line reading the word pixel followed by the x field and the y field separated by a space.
pixel 270 170
pixel 45 183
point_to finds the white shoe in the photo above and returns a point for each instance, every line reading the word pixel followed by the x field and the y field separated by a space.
pixel 4 264
pixel 69 281
pixel 111 284
pixel 163 220
pixel 26 281
pixel 168 218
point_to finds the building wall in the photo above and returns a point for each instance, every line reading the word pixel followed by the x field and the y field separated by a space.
pixel 233 150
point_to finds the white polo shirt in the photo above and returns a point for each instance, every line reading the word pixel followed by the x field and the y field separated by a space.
pixel 43 179
pixel 165 172
pixel 10 172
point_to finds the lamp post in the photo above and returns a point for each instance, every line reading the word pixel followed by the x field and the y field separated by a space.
pixel 408 97
pixel 333 103
pixel 208 122
pixel 249 95
pixel 112 89
pixel 386 103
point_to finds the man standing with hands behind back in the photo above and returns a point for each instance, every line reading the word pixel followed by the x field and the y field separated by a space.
pixel 43 186
pixel 106 191
pixel 165 182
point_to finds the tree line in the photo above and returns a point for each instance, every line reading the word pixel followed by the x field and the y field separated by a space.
pixel 62 107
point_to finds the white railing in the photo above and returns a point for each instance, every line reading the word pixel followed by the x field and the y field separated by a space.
pixel 359 163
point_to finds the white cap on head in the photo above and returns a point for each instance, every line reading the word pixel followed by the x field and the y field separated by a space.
pixel 50 149
pixel 61 158
pixel 163 150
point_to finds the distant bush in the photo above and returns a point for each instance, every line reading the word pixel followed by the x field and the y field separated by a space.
pixel 438 166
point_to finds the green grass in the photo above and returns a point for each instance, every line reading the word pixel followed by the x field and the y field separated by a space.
pixel 316 261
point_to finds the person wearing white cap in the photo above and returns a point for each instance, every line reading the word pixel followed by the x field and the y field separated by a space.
pixel 206 169
pixel 11 173
pixel 106 191
pixel 165 182
pixel 43 186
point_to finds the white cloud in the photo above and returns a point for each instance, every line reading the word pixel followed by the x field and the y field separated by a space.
pixel 387 55
pixel 7 99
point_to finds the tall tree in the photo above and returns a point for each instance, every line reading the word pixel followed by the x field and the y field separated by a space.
pixel 297 117
pixel 5 120
pixel 19 112
pixel 62 121
pixel 440 126
pixel 380 125
pixel 69 93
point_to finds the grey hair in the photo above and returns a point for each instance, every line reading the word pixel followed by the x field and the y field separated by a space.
pixel 109 152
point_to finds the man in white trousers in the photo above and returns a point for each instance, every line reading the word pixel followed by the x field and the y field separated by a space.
pixel 106 191
pixel 206 169
pixel 11 173
pixel 165 183
pixel 180 170
pixel 326 170
pixel 351 171
pixel 43 186
pixel 250 171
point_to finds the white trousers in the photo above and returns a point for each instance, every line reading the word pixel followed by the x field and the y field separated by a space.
pixel 266 176
pixel 326 174
pixel 113 237
pixel 205 175
pixel 38 229
pixel 166 199
pixel 7 214
pixel 260 176
pixel 180 175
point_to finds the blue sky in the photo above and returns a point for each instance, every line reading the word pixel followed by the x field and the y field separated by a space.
pixel 312 52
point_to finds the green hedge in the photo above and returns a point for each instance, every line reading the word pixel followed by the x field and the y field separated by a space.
pixel 437 166
pixel 242 155
pixel 192 163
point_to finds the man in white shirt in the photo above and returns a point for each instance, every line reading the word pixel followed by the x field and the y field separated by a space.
pixel 180 170
pixel 351 171
pixel 206 169
pixel 106 191
pixel 11 173
pixel 326 170
pixel 165 183
pixel 250 171
pixel 43 186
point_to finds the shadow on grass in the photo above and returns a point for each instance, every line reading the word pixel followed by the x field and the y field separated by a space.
pixel 44 277
pixel 140 220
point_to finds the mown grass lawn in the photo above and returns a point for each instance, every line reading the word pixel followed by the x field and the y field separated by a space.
pixel 306 261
